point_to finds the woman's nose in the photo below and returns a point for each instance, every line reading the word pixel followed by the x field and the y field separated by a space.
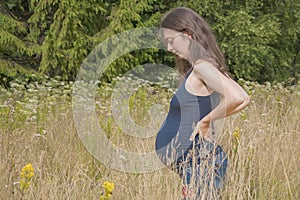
pixel 169 47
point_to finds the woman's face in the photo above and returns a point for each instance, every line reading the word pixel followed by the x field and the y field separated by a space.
pixel 177 43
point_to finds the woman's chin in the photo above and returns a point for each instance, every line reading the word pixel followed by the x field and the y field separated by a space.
pixel 180 56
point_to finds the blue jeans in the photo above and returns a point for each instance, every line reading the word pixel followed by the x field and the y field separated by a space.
pixel 203 167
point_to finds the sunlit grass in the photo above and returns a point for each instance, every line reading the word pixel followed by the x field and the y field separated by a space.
pixel 37 127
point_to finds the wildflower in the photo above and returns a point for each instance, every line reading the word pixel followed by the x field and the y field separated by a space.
pixel 106 197
pixel 108 187
pixel 236 138
pixel 26 175
pixel 236 133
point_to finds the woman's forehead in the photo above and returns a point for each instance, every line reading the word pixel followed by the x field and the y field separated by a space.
pixel 169 32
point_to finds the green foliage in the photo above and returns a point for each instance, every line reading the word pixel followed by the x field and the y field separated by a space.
pixel 15 50
pixel 122 19
pixel 248 42
pixel 67 28
pixel 260 39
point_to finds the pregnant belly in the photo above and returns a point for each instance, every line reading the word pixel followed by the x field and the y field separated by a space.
pixel 172 145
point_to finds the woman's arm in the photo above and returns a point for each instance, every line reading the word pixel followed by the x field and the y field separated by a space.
pixel 234 97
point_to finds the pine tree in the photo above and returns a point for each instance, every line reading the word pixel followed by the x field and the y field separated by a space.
pixel 16 53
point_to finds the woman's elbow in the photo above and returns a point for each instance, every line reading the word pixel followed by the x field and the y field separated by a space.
pixel 246 100
pixel 242 100
pixel 238 100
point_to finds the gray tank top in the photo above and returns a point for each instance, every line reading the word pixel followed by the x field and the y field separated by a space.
pixel 186 109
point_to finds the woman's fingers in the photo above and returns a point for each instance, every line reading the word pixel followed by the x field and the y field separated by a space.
pixel 193 135
pixel 209 138
pixel 203 131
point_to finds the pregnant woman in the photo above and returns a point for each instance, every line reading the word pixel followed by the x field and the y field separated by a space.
pixel 207 93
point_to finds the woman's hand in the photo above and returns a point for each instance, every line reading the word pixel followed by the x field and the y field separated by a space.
pixel 202 128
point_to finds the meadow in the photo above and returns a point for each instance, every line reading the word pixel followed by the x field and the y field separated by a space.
pixel 37 128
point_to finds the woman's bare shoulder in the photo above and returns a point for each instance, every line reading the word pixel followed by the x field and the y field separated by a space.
pixel 205 62
pixel 204 67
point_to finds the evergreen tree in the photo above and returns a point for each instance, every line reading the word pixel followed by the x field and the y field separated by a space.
pixel 261 39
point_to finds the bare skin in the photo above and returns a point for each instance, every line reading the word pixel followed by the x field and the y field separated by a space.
pixel 234 96
pixel 203 80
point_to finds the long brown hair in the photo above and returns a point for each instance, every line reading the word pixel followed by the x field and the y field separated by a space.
pixel 203 44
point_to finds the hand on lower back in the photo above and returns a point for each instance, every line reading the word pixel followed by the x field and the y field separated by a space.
pixel 204 130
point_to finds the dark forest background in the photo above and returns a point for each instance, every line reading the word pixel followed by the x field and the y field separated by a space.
pixel 260 38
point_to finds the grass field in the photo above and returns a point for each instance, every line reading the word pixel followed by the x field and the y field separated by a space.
pixel 37 127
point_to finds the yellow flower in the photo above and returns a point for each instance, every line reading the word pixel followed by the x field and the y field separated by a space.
pixel 236 133
pixel 27 171
pixel 109 187
pixel 102 198
pixel 106 197
pixel 26 174
pixel 236 139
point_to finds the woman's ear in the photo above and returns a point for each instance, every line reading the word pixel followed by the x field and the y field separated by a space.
pixel 188 35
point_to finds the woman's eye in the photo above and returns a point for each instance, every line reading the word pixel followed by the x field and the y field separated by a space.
pixel 169 40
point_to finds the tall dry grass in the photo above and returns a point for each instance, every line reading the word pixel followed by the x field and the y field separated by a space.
pixel 263 163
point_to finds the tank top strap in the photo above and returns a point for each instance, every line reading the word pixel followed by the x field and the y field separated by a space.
pixel 188 72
